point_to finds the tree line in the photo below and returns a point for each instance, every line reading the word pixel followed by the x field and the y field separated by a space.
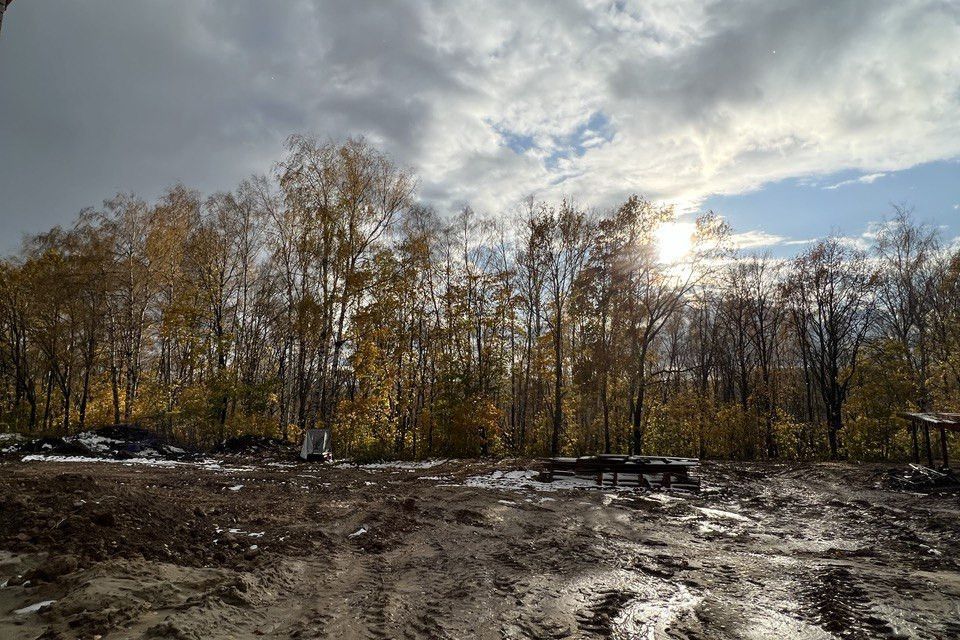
pixel 326 295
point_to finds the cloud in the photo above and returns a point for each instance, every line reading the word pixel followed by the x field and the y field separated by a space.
pixel 488 102
pixel 756 239
pixel 870 178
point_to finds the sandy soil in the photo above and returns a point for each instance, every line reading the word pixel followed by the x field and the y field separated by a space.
pixel 250 549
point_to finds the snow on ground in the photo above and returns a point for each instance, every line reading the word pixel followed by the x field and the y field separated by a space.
pixel 651 618
pixel 10 441
pixel 33 608
pixel 153 462
pixel 719 513
pixel 419 464
pixel 97 443
pixel 209 464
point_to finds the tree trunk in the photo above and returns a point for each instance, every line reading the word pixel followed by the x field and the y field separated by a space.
pixel 557 388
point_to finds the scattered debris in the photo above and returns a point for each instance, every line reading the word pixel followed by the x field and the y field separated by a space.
pixel 917 477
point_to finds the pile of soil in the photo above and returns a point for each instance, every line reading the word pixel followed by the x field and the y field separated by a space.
pixel 117 442
pixel 256 445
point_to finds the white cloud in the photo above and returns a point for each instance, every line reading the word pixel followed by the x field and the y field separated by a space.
pixel 870 178
pixel 757 239
pixel 691 98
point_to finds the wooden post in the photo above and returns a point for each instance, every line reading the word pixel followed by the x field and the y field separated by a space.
pixel 926 442
pixel 943 447
pixel 916 441
pixel 600 477
pixel 615 478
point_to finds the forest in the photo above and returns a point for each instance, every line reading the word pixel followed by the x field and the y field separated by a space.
pixel 326 294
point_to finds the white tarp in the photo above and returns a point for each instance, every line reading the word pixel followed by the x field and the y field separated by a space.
pixel 316 444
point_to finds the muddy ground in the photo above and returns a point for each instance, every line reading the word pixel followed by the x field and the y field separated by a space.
pixel 244 548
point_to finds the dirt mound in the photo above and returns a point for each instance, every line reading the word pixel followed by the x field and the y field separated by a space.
pixel 116 441
pixel 255 445
pixel 92 519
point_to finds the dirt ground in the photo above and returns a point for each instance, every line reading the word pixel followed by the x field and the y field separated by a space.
pixel 246 548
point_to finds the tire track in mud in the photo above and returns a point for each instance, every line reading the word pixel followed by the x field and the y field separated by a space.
pixel 841 605
pixel 600 615
pixel 370 599
pixel 447 561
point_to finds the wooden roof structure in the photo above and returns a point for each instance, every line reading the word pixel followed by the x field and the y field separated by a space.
pixel 943 421
pixel 950 421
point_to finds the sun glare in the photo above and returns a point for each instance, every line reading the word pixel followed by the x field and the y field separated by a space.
pixel 674 240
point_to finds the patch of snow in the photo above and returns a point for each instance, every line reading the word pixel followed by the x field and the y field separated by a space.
pixel 239 532
pixel 718 513
pixel 400 464
pixel 650 619
pixel 359 532
pixel 209 464
pixel 236 487
pixel 711 527
pixel 33 608
pixel 9 441
pixel 35 457
pixel 662 498
pixel 94 442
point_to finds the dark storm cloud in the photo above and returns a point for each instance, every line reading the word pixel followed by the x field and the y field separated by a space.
pixel 102 96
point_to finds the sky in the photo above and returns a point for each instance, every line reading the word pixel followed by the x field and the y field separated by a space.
pixel 792 119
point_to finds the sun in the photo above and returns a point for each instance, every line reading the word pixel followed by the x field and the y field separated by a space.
pixel 674 241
